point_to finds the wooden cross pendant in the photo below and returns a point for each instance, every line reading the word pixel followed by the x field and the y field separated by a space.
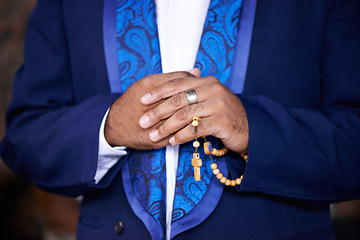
pixel 197 163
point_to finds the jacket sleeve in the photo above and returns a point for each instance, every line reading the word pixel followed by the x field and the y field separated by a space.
pixel 52 138
pixel 312 154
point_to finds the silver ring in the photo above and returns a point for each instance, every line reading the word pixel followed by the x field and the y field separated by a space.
pixel 191 96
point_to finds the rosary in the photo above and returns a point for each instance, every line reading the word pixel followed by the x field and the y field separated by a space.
pixel 209 150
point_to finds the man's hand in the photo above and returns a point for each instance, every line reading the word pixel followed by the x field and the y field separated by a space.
pixel 222 113
pixel 122 128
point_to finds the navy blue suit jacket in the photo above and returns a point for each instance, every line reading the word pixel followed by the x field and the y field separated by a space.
pixel 301 97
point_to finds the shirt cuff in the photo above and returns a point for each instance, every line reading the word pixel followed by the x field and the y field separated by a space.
pixel 107 155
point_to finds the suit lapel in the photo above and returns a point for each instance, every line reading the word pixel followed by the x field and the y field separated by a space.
pixel 243 44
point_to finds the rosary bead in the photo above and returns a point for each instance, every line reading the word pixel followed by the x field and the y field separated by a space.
pixel 214 151
pixel 228 182
pixel 213 166
pixel 207 147
pixel 238 181
pixel 219 176
pixel 233 183
pixel 220 152
pixel 196 144
pixel 244 156
pixel 196 118
pixel 216 171
pixel 223 180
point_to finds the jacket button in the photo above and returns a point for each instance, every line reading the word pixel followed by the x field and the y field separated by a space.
pixel 118 227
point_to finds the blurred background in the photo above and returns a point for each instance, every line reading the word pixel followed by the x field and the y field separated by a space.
pixel 26 212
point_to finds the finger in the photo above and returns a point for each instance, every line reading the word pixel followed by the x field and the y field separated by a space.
pixel 206 127
pixel 170 88
pixel 144 142
pixel 156 145
pixel 180 120
pixel 174 86
pixel 177 101
pixel 159 79
pixel 162 111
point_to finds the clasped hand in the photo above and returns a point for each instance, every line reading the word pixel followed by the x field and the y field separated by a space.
pixel 154 112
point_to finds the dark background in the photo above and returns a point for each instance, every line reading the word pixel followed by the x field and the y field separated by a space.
pixel 27 213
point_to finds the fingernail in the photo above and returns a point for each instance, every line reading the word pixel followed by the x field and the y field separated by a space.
pixel 144 121
pixel 145 98
pixel 153 134
pixel 172 140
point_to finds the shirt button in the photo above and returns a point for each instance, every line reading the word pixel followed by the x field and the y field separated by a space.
pixel 118 227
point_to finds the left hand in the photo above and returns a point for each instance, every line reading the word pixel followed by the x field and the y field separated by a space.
pixel 221 111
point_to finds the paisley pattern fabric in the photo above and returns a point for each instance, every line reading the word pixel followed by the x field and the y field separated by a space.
pixel 137 39
pixel 139 56
pixel 214 59
pixel 148 179
pixel 217 45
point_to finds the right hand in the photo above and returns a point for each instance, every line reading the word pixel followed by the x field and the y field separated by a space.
pixel 122 126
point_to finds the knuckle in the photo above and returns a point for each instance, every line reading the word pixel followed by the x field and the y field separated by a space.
pixel 182 114
pixel 196 108
pixel 175 82
pixel 179 137
pixel 213 79
pixel 221 103
pixel 217 87
pixel 155 111
pixel 157 90
pixel 163 129
pixel 147 81
pixel 176 99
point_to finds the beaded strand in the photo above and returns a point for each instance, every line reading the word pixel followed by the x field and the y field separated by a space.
pixel 213 151
pixel 196 161
pixel 209 150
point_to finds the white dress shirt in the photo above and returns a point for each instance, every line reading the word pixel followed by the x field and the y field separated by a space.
pixel 180 26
